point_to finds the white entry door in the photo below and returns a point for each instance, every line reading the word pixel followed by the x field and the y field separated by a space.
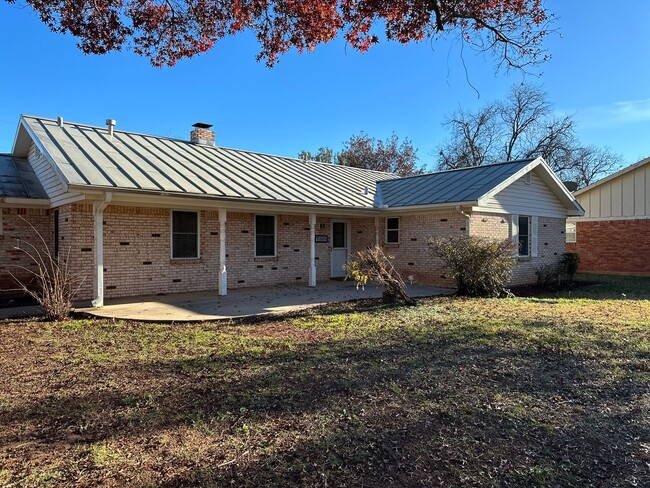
pixel 340 238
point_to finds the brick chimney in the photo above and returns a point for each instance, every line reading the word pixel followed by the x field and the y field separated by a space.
pixel 202 134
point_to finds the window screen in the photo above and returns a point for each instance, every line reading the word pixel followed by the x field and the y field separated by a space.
pixel 524 236
pixel 185 235
pixel 339 239
pixel 392 230
pixel 264 235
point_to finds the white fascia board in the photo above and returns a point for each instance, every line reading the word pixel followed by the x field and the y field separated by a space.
pixel 158 199
pixel 165 200
pixel 426 208
pixel 25 202
pixel 549 177
pixel 41 148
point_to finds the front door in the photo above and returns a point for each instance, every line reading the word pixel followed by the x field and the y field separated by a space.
pixel 339 248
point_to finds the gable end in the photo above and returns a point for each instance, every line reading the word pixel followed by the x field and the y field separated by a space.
pixel 522 198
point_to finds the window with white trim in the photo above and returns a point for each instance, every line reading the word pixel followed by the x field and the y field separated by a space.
pixel 264 236
pixel 524 236
pixel 571 232
pixel 392 230
pixel 185 235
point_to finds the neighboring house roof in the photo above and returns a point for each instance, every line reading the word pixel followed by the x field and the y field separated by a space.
pixel 453 186
pixel 18 180
pixel 88 158
pixel 625 170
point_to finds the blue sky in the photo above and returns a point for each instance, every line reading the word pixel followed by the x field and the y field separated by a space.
pixel 599 71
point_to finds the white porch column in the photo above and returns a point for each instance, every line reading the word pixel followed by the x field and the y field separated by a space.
pixel 377 242
pixel 223 274
pixel 98 282
pixel 312 250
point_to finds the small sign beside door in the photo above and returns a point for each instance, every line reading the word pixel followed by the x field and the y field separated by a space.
pixel 322 238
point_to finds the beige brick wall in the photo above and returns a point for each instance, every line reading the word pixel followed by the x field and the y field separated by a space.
pixel 412 256
pixel 550 241
pixel 16 232
pixel 137 251
pixel 363 234
pixel 137 242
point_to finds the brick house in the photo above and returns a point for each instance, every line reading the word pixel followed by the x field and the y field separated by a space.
pixel 137 214
pixel 617 208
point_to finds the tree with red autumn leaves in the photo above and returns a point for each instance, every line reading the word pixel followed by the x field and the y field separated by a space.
pixel 167 31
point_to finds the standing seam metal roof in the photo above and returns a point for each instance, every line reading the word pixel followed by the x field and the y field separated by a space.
pixel 459 185
pixel 17 179
pixel 86 156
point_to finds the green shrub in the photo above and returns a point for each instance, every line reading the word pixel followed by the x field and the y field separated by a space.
pixel 479 266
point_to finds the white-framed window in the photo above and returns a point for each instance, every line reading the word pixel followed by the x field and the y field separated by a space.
pixel 571 232
pixel 185 234
pixel 392 230
pixel 265 236
pixel 524 235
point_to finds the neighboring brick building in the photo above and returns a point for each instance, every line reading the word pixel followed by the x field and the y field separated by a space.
pixel 613 237
pixel 137 214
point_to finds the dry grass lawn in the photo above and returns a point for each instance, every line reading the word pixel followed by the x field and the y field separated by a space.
pixel 515 392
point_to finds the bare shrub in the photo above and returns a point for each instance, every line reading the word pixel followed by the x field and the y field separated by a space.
pixel 548 276
pixel 554 276
pixel 52 284
pixel 479 266
pixel 372 265
pixel 569 265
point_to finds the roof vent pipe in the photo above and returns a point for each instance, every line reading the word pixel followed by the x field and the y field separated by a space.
pixel 59 121
pixel 110 123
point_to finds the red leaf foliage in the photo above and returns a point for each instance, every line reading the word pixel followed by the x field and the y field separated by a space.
pixel 166 31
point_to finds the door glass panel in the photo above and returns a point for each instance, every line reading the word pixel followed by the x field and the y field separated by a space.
pixel 338 234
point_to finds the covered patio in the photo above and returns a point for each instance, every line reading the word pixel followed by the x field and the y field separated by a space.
pixel 240 303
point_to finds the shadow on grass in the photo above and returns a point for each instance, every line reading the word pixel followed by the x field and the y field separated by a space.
pixel 418 408
pixel 596 287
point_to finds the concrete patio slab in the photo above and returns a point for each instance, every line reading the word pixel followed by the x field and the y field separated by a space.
pixel 246 302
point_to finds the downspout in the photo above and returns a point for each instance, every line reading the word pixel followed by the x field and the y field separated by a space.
pixel 467 216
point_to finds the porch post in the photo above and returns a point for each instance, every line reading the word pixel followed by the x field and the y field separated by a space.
pixel 98 282
pixel 223 274
pixel 312 250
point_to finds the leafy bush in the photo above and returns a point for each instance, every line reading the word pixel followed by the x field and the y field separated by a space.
pixel 55 285
pixel 479 266
pixel 372 265
pixel 569 265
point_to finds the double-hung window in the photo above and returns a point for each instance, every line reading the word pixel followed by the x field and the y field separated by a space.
pixel 264 236
pixel 524 236
pixel 185 235
pixel 571 232
pixel 392 230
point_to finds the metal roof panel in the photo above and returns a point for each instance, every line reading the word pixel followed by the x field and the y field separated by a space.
pixel 17 179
